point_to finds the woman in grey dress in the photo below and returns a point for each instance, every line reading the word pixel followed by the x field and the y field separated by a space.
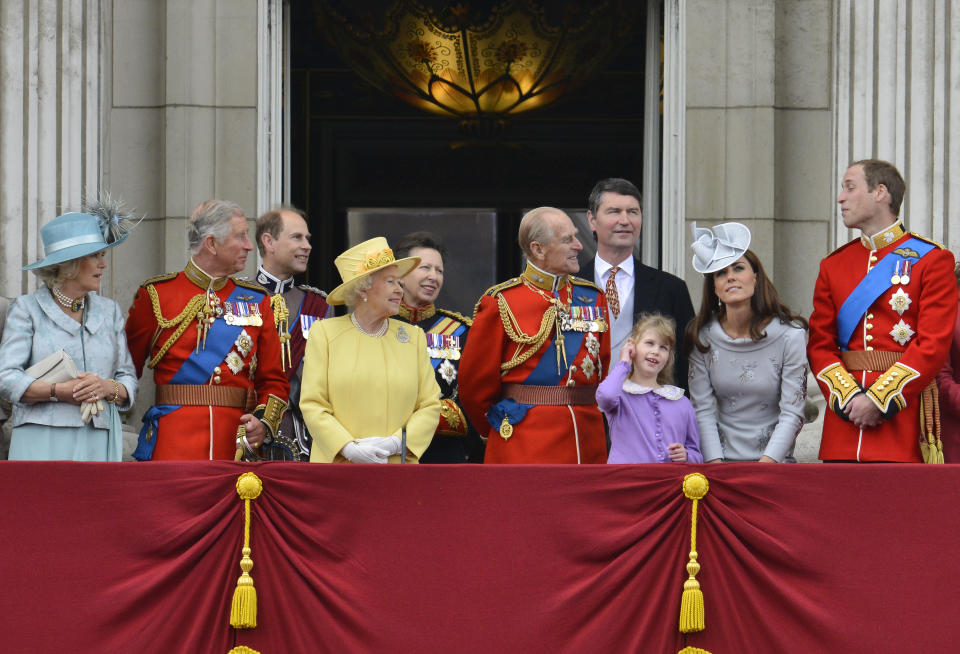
pixel 748 362
pixel 74 419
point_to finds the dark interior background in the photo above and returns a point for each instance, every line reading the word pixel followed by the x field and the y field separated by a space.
pixel 353 145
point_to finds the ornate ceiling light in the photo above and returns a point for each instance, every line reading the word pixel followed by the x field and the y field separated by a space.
pixel 477 63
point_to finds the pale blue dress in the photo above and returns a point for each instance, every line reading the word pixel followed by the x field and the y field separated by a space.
pixel 46 431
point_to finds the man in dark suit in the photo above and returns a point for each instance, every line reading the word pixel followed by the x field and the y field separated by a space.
pixel 632 288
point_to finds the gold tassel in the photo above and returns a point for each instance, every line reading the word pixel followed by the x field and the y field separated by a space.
pixel 281 320
pixel 693 650
pixel 243 611
pixel 242 649
pixel 695 487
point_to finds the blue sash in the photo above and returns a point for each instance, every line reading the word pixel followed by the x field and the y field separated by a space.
pixel 876 282
pixel 196 369
pixel 545 373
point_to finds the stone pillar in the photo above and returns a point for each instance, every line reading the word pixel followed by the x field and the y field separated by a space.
pixel 49 123
pixel 898 98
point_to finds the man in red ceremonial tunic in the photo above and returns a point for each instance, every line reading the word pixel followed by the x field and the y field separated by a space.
pixel 884 307
pixel 283 239
pixel 212 344
pixel 537 350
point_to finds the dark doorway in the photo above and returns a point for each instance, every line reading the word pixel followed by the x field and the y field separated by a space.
pixel 354 146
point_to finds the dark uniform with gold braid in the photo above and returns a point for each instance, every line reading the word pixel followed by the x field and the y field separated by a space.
pixel 884 308
pixel 215 355
pixel 455 440
pixel 529 373
pixel 295 308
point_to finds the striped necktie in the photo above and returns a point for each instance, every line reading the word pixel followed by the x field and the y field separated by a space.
pixel 613 299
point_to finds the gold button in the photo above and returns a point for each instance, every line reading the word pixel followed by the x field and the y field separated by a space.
pixel 889 378
pixel 869 348
pixel 895 373
pixel 869 316
pixel 869 337
pixel 845 384
pixel 869 325
pixel 872 258
pixel 216 379
pixel 216 370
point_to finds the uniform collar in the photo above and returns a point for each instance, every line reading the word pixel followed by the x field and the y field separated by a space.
pixel 885 237
pixel 274 284
pixel 416 314
pixel 203 279
pixel 544 280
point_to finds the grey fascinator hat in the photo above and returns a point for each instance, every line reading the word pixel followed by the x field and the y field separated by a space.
pixel 715 249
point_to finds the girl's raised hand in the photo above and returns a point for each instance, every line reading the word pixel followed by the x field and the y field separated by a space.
pixel 677 452
pixel 628 350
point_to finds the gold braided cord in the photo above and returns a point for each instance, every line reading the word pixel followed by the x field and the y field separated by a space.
pixel 528 345
pixel 181 322
pixel 281 318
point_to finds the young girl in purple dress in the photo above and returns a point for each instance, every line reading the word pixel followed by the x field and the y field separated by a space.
pixel 650 419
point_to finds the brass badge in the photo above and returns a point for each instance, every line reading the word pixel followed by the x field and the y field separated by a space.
pixel 506 429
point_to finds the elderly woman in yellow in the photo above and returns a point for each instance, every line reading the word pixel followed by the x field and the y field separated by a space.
pixel 367 380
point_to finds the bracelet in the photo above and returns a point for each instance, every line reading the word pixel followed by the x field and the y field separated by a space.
pixel 116 391
pixel 53 392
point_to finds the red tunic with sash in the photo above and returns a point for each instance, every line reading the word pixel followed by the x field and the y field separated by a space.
pixel 912 321
pixel 252 362
pixel 513 344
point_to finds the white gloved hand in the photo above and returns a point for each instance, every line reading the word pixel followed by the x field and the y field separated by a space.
pixel 365 450
pixel 393 445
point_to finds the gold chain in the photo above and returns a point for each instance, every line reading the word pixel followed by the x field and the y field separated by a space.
pixel 512 328
pixel 181 322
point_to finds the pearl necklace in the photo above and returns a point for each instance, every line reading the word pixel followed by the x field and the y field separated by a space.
pixel 68 302
pixel 377 334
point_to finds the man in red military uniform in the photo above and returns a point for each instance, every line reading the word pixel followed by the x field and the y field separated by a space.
pixel 213 347
pixel 884 307
pixel 536 353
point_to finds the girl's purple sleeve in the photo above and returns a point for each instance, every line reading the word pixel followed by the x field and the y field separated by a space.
pixel 608 392
pixel 693 434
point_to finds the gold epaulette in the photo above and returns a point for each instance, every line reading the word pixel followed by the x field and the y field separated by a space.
pixel 456 316
pixel 580 281
pixel 160 278
pixel 304 287
pixel 495 290
pixel 928 240
pixel 253 286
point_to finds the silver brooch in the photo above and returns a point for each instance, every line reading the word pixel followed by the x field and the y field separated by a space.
pixel 402 335
pixel 900 301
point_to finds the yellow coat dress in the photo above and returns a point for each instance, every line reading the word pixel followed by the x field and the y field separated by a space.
pixel 356 386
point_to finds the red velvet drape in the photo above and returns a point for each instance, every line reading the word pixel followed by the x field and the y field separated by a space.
pixel 478 559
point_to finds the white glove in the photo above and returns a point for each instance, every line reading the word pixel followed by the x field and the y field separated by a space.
pixel 90 409
pixel 391 444
pixel 365 450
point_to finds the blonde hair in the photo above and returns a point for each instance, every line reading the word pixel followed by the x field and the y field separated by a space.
pixel 665 328
pixel 55 274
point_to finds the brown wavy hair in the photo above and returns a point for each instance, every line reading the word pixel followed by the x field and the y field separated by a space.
pixel 765 305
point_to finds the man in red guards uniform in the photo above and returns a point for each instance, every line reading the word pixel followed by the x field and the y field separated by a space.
pixel 213 347
pixel 884 307
pixel 537 350
pixel 283 239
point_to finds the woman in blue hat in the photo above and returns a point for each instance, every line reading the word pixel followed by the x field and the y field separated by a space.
pixel 64 362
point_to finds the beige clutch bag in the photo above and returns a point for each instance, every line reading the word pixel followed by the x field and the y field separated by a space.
pixel 58 367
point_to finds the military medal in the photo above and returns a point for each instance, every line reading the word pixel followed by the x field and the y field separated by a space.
pixel 896 274
pixel 306 322
pixel 905 277
pixel 900 301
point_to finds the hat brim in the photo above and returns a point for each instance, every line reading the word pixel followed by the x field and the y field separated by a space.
pixel 719 264
pixel 338 295
pixel 74 252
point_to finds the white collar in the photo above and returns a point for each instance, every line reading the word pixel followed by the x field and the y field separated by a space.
pixel 601 266
pixel 666 391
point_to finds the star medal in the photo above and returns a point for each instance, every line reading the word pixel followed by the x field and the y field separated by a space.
pixel 900 301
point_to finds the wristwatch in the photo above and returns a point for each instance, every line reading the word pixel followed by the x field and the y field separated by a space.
pixel 53 392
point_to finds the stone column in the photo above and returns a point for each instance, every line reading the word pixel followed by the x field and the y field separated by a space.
pixel 49 123
pixel 898 98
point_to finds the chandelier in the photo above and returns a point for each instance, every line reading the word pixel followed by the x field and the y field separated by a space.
pixel 477 63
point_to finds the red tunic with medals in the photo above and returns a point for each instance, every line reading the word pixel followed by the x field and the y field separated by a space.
pixel 253 361
pixel 514 340
pixel 914 318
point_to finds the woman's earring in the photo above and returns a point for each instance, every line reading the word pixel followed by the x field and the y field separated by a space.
pixel 364 298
